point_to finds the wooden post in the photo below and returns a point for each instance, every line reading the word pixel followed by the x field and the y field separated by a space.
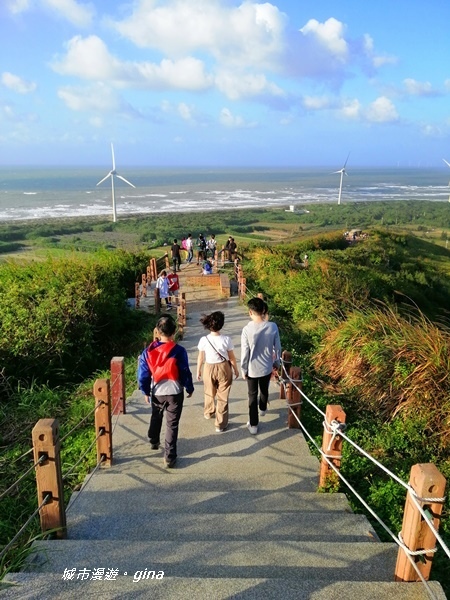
pixel 103 429
pixel 118 393
pixel 144 285
pixel 137 295
pixel 154 269
pixel 286 364
pixel 429 485
pixel 243 288
pixel 157 301
pixel 331 447
pixel 49 482
pixel 294 397
pixel 166 258
pixel 149 275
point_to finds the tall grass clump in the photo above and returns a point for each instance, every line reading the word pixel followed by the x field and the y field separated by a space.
pixel 396 362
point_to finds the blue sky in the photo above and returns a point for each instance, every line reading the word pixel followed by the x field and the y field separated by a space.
pixel 225 83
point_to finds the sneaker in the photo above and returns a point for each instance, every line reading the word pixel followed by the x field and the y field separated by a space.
pixel 154 446
pixel 220 429
pixel 209 416
pixel 252 428
pixel 262 413
pixel 169 464
pixel 169 307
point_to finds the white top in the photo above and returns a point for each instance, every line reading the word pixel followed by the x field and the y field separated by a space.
pixel 222 343
pixel 163 286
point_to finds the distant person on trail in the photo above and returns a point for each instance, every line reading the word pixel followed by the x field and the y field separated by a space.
pixel 176 257
pixel 189 248
pixel 201 248
pixel 173 282
pixel 212 246
pixel 163 375
pixel 215 351
pixel 232 249
pixel 163 286
pixel 260 355
pixel 207 268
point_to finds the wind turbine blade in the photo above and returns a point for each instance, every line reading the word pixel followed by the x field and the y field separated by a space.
pixel 346 160
pixel 446 162
pixel 104 179
pixel 113 159
pixel 335 172
pixel 126 181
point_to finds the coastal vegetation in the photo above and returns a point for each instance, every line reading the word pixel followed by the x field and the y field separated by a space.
pixel 367 320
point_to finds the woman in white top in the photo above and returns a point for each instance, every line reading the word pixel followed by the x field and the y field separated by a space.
pixel 216 352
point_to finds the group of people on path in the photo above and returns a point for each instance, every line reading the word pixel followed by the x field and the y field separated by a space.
pixel 164 373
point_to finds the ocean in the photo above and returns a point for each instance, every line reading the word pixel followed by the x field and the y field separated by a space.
pixel 46 193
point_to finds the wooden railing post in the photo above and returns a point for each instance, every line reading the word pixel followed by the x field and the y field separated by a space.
pixel 103 429
pixel 49 482
pixel 243 288
pixel 154 269
pixel 149 275
pixel 286 364
pixel 429 486
pixel 118 394
pixel 166 258
pixel 331 446
pixel 294 397
pixel 137 295
pixel 144 285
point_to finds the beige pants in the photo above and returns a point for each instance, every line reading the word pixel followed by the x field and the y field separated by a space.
pixel 217 380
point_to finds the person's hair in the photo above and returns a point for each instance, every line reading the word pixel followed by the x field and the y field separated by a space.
pixel 166 325
pixel 258 306
pixel 163 273
pixel 175 241
pixel 214 321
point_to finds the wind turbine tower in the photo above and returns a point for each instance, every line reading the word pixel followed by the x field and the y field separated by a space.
pixel 448 165
pixel 342 172
pixel 112 174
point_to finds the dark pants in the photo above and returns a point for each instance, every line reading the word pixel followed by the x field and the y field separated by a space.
pixel 254 384
pixel 176 263
pixel 172 405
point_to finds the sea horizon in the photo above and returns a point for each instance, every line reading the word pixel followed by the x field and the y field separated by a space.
pixel 63 192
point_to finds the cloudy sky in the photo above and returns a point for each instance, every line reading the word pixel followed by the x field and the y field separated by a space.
pixel 225 82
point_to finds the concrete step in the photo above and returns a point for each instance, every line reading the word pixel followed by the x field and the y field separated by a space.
pixel 354 561
pixel 36 587
pixel 185 526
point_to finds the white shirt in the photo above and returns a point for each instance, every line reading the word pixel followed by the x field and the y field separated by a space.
pixel 221 343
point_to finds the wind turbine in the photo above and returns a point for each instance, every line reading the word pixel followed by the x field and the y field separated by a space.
pixel 448 165
pixel 111 174
pixel 342 172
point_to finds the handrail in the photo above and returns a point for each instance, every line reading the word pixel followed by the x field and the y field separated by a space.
pixel 339 430
pixel 22 477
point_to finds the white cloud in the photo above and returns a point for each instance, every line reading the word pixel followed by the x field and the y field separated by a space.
pixel 419 88
pixel 89 58
pixel 238 85
pixel 376 59
pixel 79 14
pixel 330 35
pixel 96 98
pixel 185 111
pixel 227 119
pixel 316 102
pixel 382 110
pixel 351 109
pixel 17 84
pixel 249 34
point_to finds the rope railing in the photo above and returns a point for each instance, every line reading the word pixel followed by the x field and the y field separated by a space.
pixel 22 477
pixel 336 429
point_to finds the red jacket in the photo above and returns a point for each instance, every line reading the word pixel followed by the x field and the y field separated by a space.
pixel 173 281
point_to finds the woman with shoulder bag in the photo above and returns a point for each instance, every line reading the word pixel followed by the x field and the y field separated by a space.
pixel 216 353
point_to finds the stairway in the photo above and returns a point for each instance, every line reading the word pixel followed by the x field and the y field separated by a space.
pixel 237 518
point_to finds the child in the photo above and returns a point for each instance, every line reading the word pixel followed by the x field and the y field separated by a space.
pixel 207 268
pixel 163 374
pixel 163 286
pixel 216 351
pixel 174 284
pixel 260 353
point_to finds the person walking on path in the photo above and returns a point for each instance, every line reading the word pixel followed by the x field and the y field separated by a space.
pixel 163 375
pixel 260 354
pixel 189 248
pixel 217 354
pixel 163 286
pixel 176 257
pixel 173 282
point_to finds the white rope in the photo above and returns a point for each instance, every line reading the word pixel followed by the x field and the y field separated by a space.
pixel 414 552
pixel 364 503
